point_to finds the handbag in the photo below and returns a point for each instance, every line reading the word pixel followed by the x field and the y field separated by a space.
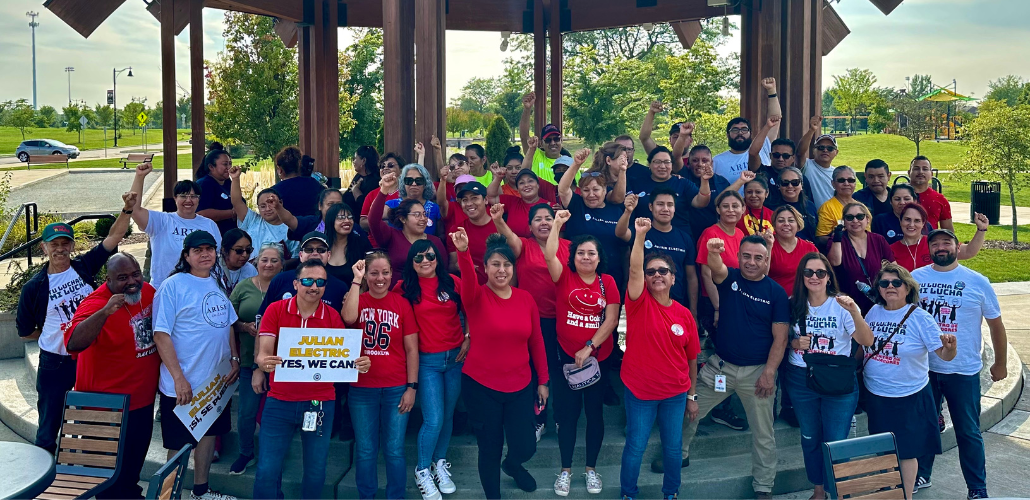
pixel 828 374
pixel 588 374
pixel 862 395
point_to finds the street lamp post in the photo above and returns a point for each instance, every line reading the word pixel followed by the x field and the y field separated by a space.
pixel 33 24
pixel 114 95
pixel 69 69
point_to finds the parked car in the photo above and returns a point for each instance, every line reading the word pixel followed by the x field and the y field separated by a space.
pixel 36 147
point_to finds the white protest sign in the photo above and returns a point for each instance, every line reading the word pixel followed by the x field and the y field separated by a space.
pixel 209 400
pixel 318 355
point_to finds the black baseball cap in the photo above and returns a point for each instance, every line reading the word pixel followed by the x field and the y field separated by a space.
pixel 58 230
pixel 675 129
pixel 475 187
pixel 314 235
pixel 549 130
pixel 936 232
pixel 198 238
pixel 528 172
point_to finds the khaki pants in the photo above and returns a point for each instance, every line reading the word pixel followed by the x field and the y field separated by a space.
pixel 740 380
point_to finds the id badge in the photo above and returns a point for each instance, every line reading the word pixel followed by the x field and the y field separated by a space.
pixel 310 421
pixel 720 383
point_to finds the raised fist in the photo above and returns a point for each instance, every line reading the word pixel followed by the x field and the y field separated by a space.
pixel 497 211
pixel 642 225
pixel 533 142
pixel 144 168
pixel 562 216
pixel 716 246
pixel 631 202
pixel 359 270
pixel 747 176
pixel 816 122
pixel 435 142
pixel 774 120
pixel 687 128
pixel 130 199
pixel 656 107
pixel 529 100
pixel 388 183
pixel 581 156
pixel 497 170
pixel 460 239
pixel 235 172
pixel 769 84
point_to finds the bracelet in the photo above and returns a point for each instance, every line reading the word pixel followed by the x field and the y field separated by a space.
pixel 355 283
pixel 126 212
pixel 981 230
pixel 773 95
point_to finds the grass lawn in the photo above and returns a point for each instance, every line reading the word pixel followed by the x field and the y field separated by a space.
pixel 185 162
pixel 998 265
pixel 897 151
pixel 956 188
pixel 10 137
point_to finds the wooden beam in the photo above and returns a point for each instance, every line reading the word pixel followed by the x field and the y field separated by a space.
pixel 83 17
pixel 169 131
pixel 589 15
pixel 304 95
pixel 316 83
pixel 886 6
pixel 539 65
pixel 398 76
pixel 430 71
pixel 555 37
pixel 834 29
pixel 283 9
pixel 802 95
pixel 197 96
pixel 761 57
pixel 182 14
pixel 287 31
pixel 687 32
pixel 329 163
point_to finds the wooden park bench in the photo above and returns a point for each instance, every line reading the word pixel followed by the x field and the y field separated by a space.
pixel 135 158
pixel 166 483
pixel 866 467
pixel 45 159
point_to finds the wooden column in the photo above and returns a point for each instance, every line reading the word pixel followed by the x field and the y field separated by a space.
pixel 304 95
pixel 430 71
pixel 168 120
pixel 197 95
pixel 319 96
pixel 539 69
pixel 760 58
pixel 801 90
pixel 398 76
pixel 329 163
pixel 554 32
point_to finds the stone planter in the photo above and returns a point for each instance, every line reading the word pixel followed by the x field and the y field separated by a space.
pixel 11 346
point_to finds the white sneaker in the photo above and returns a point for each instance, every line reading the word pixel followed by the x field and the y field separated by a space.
pixel 561 485
pixel 426 485
pixel 443 476
pixel 211 495
pixel 541 429
pixel 593 482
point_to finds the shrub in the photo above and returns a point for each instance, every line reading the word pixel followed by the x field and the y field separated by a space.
pixel 104 228
pixel 498 139
pixel 86 229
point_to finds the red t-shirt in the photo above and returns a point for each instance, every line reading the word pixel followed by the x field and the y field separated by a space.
pixel 755 221
pixel 579 311
pixel 366 206
pixel 284 314
pixel 123 359
pixel 439 328
pixel 518 212
pixel 936 205
pixel 534 276
pixel 385 323
pixel 505 335
pixel 912 257
pixel 477 244
pixel 660 342
pixel 731 243
pixel 783 265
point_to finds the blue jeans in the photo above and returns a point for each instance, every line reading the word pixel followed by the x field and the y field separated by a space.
pixel 246 416
pixel 963 395
pixel 822 418
pixel 279 421
pixel 640 417
pixel 439 385
pixel 376 417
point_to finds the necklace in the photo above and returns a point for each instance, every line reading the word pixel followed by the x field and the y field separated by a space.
pixel 911 253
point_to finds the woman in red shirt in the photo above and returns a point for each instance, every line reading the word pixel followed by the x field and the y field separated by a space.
pixel 912 251
pixel 442 346
pixel 587 306
pixel 756 218
pixel 730 206
pixel 659 368
pixel 390 335
pixel 787 249
pixel 504 326
pixel 411 223
pixel 531 192
pixel 535 279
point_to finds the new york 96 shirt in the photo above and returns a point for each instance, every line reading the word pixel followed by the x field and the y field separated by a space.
pixel 384 324
pixel 902 366
pixel 830 326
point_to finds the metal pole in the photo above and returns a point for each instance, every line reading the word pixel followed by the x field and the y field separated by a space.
pixel 32 24
pixel 69 69
pixel 114 99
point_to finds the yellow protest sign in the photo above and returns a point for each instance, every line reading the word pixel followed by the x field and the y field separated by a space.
pixel 209 400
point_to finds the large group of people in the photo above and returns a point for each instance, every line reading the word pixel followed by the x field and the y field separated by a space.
pixel 495 286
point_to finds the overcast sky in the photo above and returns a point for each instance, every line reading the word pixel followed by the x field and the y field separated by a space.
pixel 971 41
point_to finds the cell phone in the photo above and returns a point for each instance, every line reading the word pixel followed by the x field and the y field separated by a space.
pixel 539 407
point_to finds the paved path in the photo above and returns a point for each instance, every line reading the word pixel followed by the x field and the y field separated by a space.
pixel 960 213
pixel 94 154
pixel 78 191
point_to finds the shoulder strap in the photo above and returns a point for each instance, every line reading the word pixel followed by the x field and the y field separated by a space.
pixel 600 281
pixel 911 309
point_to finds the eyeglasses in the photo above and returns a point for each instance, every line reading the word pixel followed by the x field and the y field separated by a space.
pixel 846 180
pixel 459 163
pixel 243 251
pixel 344 217
pixel 319 282
pixel 851 217
pixel 414 181
pixel 318 250
pixel 590 174
pixel 826 148
pixel 418 258
pixel 659 270
pixel 665 163
pixel 552 139
pixel 791 182
pixel 818 273
pixel 739 130
pixel 780 156
pixel 188 196
pixel 896 283
pixel 420 215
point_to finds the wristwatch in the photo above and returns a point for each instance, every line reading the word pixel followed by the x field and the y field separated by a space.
pixel 413 385
pixel 235 358
pixel 691 397
pixel 590 344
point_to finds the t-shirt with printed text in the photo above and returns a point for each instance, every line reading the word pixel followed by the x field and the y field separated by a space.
pixel 167 232
pixel 285 314
pixel 580 307
pixel 385 323
pixel 747 311
pixel 902 366
pixel 830 326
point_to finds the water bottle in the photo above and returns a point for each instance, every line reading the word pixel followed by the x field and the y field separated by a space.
pixel 320 177
pixel 853 433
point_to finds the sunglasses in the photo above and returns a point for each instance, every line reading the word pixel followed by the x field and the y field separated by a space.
pixel 389 165
pixel 826 148
pixel 846 180
pixel 896 283
pixel 791 183
pixel 418 258
pixel 590 174
pixel 459 163
pixel 318 250
pixel 552 140
pixel 319 282
pixel 818 273
pixel 243 251
pixel 414 181
pixel 344 217
pixel 660 270
pixel 781 156
pixel 851 217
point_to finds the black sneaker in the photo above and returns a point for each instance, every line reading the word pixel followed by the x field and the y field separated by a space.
pixel 523 479
pixel 977 493
pixel 729 419
pixel 240 465
pixel 921 483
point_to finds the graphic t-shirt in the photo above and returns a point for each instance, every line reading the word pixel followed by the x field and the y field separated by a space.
pixel 67 291
pixel 433 225
pixel 818 181
pixel 937 207
pixel 384 324
pixel 783 265
pixel 729 257
pixel 167 230
pixel 198 316
pixel 912 257
pixel 755 221
pixel 518 213
pixel 831 327
pixel 729 165
pixel 601 223
pixel 229 278
pixel 747 311
pixel 261 232
pixel 579 306
pixel 958 300
pixel 216 196
pixel 902 367
pixel 678 245
pixel 660 342
pixel 439 327
pixel 123 359
pixel 284 314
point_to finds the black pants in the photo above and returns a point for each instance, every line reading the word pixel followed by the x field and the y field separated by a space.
pixel 137 442
pixel 568 404
pixel 549 330
pixel 494 416
pixel 56 376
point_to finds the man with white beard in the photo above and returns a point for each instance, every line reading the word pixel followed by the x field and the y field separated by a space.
pixel 112 336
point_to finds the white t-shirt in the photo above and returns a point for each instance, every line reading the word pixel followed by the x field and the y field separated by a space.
pixel 198 316
pixel 729 165
pixel 262 232
pixel 230 278
pixel 819 181
pixel 902 367
pixel 831 327
pixel 66 292
pixel 959 300
pixel 166 232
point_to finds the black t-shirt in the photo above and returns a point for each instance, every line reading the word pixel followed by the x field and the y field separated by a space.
pixel 747 311
pixel 868 198
pixel 600 222
pixel 703 218
pixel 685 192
pixel 300 195
pixel 678 244
pixel 635 173
pixel 216 196
pixel 281 288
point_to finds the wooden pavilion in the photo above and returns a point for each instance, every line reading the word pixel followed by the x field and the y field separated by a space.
pixel 782 38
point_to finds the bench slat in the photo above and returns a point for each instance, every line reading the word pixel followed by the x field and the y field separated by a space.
pixel 88 459
pixel 110 417
pixel 869 483
pixel 66 491
pixel 89 445
pixel 105 431
pixel 54 496
pixel 865 465
pixel 80 479
pixel 895 494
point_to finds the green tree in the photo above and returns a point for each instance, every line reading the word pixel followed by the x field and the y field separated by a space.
pixel 1024 96
pixel 853 93
pixel 476 94
pixel 128 120
pixel 20 115
pixel 828 108
pixel 46 116
pixel 155 116
pixel 880 115
pixel 498 138
pixel 915 117
pixel 1006 89
pixel 104 114
pixel 999 149
pixel 254 87
pixel 920 85
pixel 456 120
pixel 710 128
pixel 72 113
pixel 590 101
pixel 365 86
pixel 347 101
pixel 511 86
pixel 183 107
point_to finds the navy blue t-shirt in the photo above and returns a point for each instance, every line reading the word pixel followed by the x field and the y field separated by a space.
pixel 600 222
pixel 705 217
pixel 747 311
pixel 281 288
pixel 685 191
pixel 635 173
pixel 677 244
pixel 888 226
pixel 216 196
pixel 868 198
pixel 300 195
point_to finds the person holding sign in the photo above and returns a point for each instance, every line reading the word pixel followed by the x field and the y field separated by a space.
pixel 309 405
pixel 496 379
pixel 193 321
pixel 380 401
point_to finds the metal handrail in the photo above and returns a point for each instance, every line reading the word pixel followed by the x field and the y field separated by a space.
pixel 28 244
pixel 24 207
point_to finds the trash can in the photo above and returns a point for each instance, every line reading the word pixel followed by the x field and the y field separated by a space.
pixel 985 198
